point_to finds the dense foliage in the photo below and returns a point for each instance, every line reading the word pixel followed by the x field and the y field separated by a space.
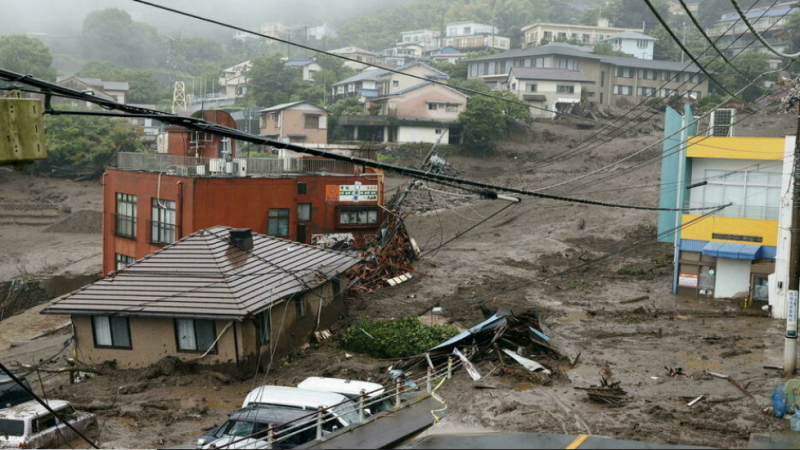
pixel 82 140
pixel 144 86
pixel 751 64
pixel 111 35
pixel 399 338
pixel 487 119
pixel 26 56
pixel 272 83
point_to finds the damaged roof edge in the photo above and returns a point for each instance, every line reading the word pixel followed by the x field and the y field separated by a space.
pixel 84 312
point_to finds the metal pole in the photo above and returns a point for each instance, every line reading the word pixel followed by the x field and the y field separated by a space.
pixel 45 405
pixel 397 391
pixel 361 406
pixel 319 422
pixel 790 347
pixel 429 380
pixel 271 437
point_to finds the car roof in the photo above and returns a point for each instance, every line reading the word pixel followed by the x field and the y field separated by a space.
pixel 287 396
pixel 341 386
pixel 268 414
pixel 30 409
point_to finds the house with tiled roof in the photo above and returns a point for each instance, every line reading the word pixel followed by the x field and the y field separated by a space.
pixel 219 296
pixel 308 66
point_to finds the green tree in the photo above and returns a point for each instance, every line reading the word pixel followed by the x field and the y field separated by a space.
pixel 26 56
pixel 751 64
pixel 665 48
pixel 111 35
pixel 144 86
pixel 605 48
pixel 635 13
pixel 345 107
pixel 487 119
pixel 271 83
pixel 82 140
pixel 471 84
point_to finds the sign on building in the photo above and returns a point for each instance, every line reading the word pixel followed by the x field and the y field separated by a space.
pixel 687 280
pixel 351 193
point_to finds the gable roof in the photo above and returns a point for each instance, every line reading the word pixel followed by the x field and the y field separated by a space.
pixel 420 85
pixel 366 75
pixel 98 83
pixel 283 106
pixel 299 62
pixel 203 276
pixel 630 35
pixel 536 73
pixel 573 50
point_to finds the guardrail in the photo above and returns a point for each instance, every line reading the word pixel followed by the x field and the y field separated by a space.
pixel 275 435
pixel 236 167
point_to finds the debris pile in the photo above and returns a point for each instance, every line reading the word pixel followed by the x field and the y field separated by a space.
pixel 389 258
pixel 87 222
pixel 606 392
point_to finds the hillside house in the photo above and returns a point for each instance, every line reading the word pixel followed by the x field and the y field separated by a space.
pixel 297 122
pixel 633 43
pixel 359 54
pixel 116 91
pixel 553 89
pixel 234 80
pixel 308 66
pixel 206 305
pixel 474 36
pixel 543 33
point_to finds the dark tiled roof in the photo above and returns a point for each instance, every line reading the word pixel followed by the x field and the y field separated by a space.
pixel 204 276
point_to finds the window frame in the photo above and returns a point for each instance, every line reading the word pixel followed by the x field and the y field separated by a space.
pixel 283 216
pixel 310 209
pixel 214 350
pixel 157 213
pixel 132 202
pixel 565 89
pixel 306 117
pixel 258 320
pixel 745 185
pixel 118 256
pixel 341 209
pixel 302 188
pixel 110 326
pixel 300 310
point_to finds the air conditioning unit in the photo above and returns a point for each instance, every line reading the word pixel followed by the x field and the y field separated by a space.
pixel 182 171
pixel 216 165
pixel 242 163
pixel 231 168
pixel 721 123
pixel 201 170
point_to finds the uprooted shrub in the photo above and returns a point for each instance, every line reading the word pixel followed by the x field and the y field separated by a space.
pixel 399 338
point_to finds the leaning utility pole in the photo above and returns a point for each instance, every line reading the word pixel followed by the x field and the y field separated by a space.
pixel 790 348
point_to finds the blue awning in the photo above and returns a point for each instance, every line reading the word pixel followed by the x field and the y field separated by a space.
pixel 733 251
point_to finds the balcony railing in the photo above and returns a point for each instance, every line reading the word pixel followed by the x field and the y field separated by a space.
pixel 237 167
pixel 125 226
pixel 161 233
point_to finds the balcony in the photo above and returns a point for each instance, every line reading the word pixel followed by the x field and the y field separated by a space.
pixel 188 166
pixel 124 226
pixel 161 233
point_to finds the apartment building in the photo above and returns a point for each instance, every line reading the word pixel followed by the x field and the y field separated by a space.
pixel 427 39
pixel 612 80
pixel 539 33
pixel 474 36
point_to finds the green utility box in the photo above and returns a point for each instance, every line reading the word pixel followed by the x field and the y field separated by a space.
pixel 21 131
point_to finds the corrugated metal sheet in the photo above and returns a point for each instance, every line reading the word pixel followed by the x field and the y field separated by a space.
pixel 203 276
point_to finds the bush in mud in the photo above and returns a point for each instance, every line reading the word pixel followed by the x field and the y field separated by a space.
pixel 400 338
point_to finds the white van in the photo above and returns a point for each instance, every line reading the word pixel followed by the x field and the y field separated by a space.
pixel 30 425
pixel 344 412
pixel 349 388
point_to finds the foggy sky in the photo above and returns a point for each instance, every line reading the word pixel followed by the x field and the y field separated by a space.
pixel 65 17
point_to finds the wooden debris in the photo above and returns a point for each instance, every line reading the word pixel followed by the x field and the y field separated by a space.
pixel 608 393
pixel 634 300
pixel 694 402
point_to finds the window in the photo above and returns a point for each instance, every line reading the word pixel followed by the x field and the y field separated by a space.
pixel 646 92
pixel 304 212
pixel 562 36
pixel 693 78
pixel 467 30
pixel 452 107
pixel 668 92
pixel 162 226
pixel 641 43
pixel 694 94
pixel 195 335
pixel 623 90
pixel 433 106
pixel 624 72
pixel 565 89
pixel 111 332
pixel 279 222
pixel 722 122
pixel 124 261
pixel 602 78
pixel 647 74
pixel 299 307
pixel 438 131
pixel 264 327
pixel 541 62
pixel 395 83
pixel 302 188
pixel 670 76
pixel 358 216
pixel 755 195
pixel 312 121
pixel 126 216
pixel 530 88
pixel 567 63
pixel 44 423
pixel 586 38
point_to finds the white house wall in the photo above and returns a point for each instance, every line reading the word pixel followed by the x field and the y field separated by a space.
pixel 420 134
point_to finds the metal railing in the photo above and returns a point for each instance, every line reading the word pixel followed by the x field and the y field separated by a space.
pixel 360 405
pixel 236 167
pixel 161 233
pixel 124 226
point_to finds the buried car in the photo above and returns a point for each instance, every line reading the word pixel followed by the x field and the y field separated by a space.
pixel 341 411
pixel 249 427
pixel 351 389
pixel 30 425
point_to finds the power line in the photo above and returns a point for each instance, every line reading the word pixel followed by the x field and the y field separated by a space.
pixel 703 31
pixel 202 125
pixel 683 47
pixel 758 35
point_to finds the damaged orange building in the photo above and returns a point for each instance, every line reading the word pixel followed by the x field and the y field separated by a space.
pixel 199 180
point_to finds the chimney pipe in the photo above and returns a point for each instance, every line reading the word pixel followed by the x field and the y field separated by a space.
pixel 242 238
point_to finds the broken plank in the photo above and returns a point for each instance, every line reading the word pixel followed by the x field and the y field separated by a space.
pixel 634 300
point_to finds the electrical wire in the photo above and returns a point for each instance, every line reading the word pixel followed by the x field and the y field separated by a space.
pixel 705 35
pixel 758 35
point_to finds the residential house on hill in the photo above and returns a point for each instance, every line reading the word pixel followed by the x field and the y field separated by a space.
pixel 401 54
pixel 428 39
pixel 613 80
pixel 297 122
pixel 408 109
pixel 308 66
pixel 474 36
pixel 363 85
pixel 110 90
pixel 543 33
pixel 553 89
pixel 447 54
pixel 219 296
pixel 633 43
pixel 234 80
pixel 358 54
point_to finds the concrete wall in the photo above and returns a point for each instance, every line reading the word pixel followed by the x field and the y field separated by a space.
pixel 421 134
pixel 631 47
pixel 733 278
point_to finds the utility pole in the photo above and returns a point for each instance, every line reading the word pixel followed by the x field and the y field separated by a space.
pixel 790 347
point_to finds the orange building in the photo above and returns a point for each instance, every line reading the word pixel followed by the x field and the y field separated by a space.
pixel 151 200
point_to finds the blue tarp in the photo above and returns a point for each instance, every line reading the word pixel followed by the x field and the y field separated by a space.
pixel 733 251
